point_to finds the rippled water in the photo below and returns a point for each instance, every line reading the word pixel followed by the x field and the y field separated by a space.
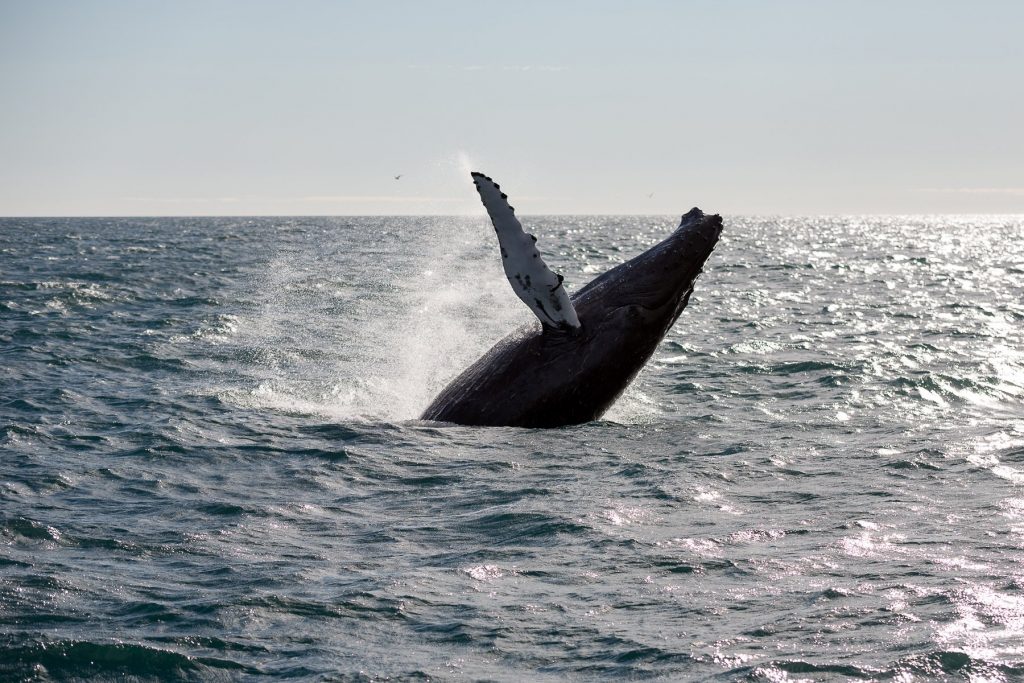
pixel 210 465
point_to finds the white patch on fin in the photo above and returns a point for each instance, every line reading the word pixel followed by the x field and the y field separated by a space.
pixel 530 277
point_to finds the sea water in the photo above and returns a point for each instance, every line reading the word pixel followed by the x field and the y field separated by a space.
pixel 211 465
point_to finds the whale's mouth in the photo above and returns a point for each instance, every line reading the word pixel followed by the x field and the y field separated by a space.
pixel 672 267
pixel 667 310
pixel 656 285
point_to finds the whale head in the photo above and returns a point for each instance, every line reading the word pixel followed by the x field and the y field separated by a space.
pixel 644 296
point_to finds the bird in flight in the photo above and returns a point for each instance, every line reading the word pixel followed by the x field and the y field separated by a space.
pixel 650 195
pixel 398 176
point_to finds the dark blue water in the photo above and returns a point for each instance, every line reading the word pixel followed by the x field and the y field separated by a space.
pixel 210 466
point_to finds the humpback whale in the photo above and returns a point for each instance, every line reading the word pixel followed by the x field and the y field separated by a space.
pixel 573 366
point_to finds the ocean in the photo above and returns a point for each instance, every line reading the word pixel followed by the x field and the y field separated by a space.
pixel 211 466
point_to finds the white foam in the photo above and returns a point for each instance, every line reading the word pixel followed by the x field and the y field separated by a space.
pixel 438 299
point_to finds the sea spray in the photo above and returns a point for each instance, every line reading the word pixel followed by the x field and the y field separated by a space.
pixel 434 298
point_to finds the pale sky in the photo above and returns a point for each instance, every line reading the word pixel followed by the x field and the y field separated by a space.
pixel 142 107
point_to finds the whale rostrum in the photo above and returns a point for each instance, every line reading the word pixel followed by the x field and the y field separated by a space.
pixel 573 366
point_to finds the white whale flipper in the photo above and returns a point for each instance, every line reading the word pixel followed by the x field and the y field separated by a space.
pixel 531 279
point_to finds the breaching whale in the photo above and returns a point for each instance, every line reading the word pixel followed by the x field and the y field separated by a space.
pixel 586 350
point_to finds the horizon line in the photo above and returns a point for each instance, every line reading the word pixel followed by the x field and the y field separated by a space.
pixel 740 214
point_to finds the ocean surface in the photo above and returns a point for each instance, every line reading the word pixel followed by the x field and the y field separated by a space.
pixel 211 466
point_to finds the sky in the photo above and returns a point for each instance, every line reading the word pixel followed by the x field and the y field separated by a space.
pixel 141 107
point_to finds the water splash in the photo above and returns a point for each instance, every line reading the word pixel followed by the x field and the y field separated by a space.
pixel 436 300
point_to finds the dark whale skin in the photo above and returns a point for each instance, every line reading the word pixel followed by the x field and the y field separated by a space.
pixel 541 376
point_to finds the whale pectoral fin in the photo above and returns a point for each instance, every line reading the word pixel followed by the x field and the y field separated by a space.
pixel 531 279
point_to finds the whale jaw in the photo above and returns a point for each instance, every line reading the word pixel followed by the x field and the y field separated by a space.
pixel 658 282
